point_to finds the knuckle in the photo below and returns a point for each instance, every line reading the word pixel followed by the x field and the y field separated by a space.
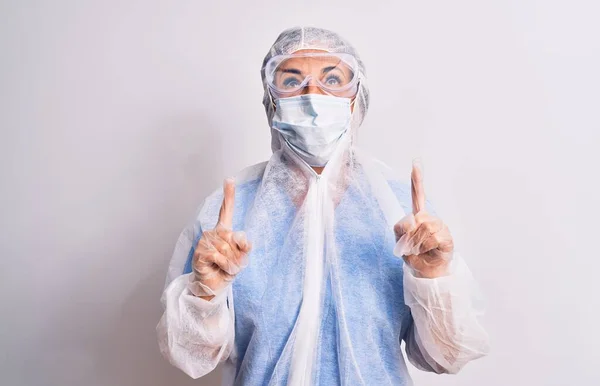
pixel 199 256
pixel 429 226
pixel 214 256
pixel 223 232
pixel 225 247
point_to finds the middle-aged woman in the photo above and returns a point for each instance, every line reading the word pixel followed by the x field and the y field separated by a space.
pixel 293 276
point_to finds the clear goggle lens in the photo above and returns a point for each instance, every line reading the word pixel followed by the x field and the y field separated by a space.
pixel 290 75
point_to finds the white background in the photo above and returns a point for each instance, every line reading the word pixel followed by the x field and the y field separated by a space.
pixel 118 117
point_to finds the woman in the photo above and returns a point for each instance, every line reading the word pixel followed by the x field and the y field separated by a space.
pixel 291 278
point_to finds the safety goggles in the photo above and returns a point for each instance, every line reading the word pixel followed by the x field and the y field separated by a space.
pixel 333 73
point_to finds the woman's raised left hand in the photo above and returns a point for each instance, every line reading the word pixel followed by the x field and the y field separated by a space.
pixel 423 240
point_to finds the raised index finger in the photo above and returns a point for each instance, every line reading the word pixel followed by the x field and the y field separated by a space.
pixel 416 185
pixel 226 212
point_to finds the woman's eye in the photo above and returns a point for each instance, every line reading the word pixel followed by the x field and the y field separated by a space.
pixel 333 80
pixel 291 82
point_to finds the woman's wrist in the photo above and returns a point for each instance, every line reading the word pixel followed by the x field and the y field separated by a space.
pixel 433 272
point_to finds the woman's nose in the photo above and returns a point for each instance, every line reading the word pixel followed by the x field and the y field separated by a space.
pixel 312 88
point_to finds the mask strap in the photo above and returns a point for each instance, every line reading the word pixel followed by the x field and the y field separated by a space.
pixel 271 99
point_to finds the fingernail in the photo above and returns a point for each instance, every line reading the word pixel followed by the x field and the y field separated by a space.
pixel 239 236
pixel 418 163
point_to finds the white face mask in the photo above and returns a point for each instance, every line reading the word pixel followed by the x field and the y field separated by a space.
pixel 312 124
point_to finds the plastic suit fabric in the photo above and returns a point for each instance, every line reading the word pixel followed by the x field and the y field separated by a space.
pixel 323 300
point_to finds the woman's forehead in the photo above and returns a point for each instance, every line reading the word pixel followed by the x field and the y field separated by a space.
pixel 309 51
pixel 301 61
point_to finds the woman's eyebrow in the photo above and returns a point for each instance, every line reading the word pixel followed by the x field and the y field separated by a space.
pixel 290 71
pixel 329 68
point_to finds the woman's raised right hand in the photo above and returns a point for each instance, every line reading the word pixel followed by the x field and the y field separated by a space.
pixel 220 253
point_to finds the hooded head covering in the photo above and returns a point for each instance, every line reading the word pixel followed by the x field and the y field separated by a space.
pixel 310 38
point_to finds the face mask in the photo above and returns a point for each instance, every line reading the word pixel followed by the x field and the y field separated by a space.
pixel 312 124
